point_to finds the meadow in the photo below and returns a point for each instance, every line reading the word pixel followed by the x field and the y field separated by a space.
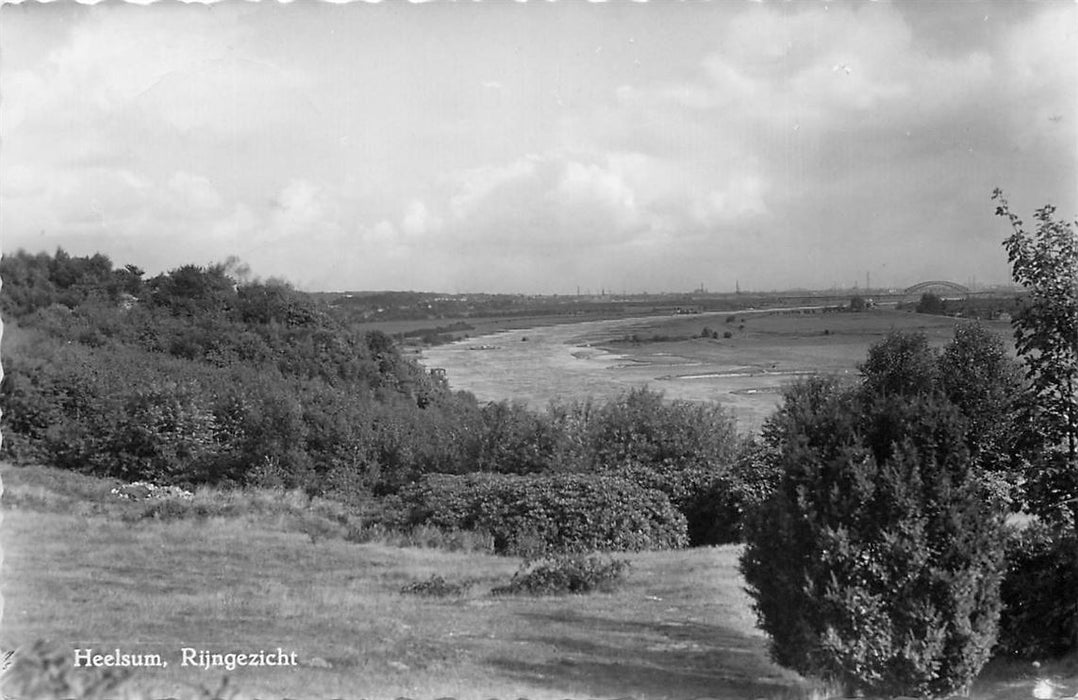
pixel 76 573
pixel 83 570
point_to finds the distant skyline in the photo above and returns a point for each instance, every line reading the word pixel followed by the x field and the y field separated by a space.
pixel 539 147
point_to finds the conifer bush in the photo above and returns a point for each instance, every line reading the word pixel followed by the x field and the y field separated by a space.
pixel 876 562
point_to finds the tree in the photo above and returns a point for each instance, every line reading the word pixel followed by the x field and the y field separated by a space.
pixel 191 290
pixel 930 304
pixel 985 383
pixel 902 363
pixel 1045 262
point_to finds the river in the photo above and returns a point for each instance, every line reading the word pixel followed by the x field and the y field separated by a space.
pixel 538 365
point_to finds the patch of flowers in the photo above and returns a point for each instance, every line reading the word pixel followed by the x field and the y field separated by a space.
pixel 144 490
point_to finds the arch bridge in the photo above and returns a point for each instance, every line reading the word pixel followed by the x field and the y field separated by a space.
pixel 937 285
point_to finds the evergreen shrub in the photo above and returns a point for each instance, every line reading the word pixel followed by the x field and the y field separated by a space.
pixel 876 562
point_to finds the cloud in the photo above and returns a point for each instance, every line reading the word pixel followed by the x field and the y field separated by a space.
pixel 194 192
pixel 418 221
pixel 795 140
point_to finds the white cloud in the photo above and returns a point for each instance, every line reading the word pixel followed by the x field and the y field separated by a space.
pixel 194 192
pixel 418 221
pixel 771 135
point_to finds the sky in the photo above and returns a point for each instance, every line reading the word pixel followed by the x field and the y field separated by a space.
pixel 539 148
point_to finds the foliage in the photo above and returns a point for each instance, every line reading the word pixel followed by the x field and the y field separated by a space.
pixel 531 515
pixel 437 587
pixel 985 383
pixel 876 561
pixel 640 427
pixel 931 304
pixel 1045 263
pixel 513 440
pixel 681 448
pixel 717 513
pixel 567 573
pixel 202 375
pixel 901 364
pixel 1040 607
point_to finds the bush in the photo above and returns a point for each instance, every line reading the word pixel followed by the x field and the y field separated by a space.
pixel 877 560
pixel 717 512
pixel 931 304
pixel 575 573
pixel 1040 603
pixel 533 515
pixel 640 427
pixel 681 448
pixel 437 587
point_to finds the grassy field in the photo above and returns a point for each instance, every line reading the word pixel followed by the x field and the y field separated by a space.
pixel 76 573
pixel 80 571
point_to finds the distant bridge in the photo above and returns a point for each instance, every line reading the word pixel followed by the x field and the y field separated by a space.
pixel 937 284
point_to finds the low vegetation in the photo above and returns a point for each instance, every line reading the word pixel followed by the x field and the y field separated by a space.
pixel 567 573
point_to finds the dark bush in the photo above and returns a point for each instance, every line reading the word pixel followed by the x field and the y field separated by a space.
pixel 572 573
pixel 437 587
pixel 1040 593
pixel 931 304
pixel 717 511
pixel 876 562
pixel 533 515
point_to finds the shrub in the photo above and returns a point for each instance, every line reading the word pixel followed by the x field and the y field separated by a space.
pixel 678 447
pixel 876 562
pixel 717 512
pixel 576 573
pixel 931 304
pixel 437 587
pixel 532 515
pixel 1040 604
pixel 640 427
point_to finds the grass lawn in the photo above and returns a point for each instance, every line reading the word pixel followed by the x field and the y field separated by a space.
pixel 77 572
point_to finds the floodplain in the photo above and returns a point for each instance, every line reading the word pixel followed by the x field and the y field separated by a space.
pixel 743 361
